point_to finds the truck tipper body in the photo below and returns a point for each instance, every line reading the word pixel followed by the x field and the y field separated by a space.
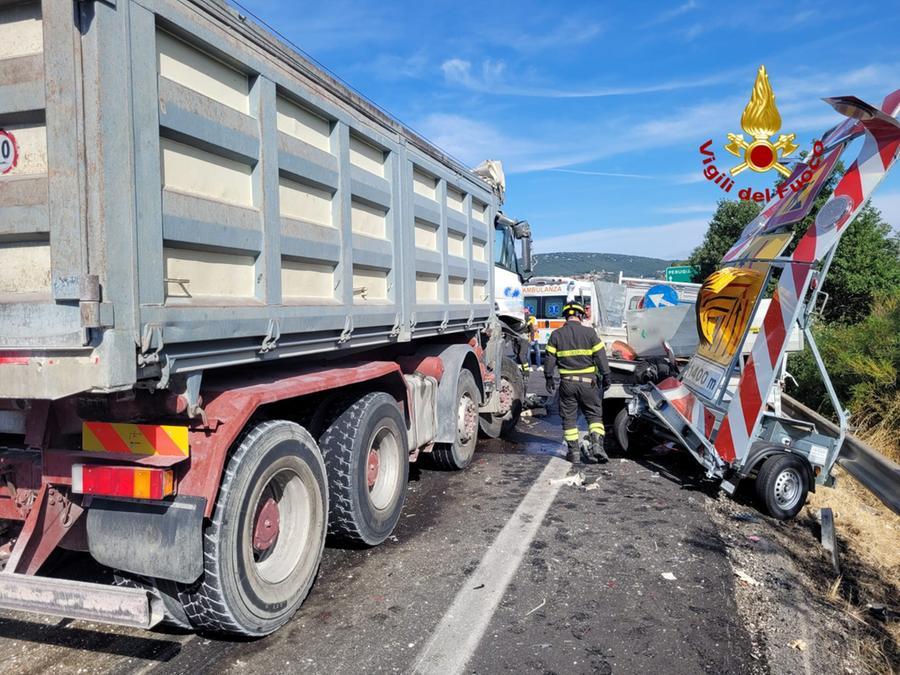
pixel 236 300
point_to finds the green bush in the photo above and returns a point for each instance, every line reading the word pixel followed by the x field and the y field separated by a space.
pixel 863 360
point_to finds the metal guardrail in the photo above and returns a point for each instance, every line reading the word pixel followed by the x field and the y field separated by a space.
pixel 873 470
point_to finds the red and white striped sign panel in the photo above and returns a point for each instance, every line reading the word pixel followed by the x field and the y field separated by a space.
pixel 690 406
pixel 881 147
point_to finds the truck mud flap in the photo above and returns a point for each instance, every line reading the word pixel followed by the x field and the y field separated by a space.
pixel 153 539
pixel 134 607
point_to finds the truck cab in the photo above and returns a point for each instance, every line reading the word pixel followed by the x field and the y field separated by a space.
pixel 511 272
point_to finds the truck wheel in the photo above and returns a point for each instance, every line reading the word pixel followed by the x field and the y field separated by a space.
pixel 458 455
pixel 782 485
pixel 166 590
pixel 367 462
pixel 512 393
pixel 263 546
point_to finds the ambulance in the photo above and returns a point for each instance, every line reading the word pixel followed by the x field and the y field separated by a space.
pixel 545 298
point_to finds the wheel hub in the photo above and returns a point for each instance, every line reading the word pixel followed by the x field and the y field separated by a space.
pixel 267 526
pixel 467 419
pixel 506 396
pixel 787 488
pixel 372 464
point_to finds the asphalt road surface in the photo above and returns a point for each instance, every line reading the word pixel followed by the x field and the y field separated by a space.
pixel 493 569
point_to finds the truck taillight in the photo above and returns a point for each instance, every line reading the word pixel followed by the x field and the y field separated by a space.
pixel 135 482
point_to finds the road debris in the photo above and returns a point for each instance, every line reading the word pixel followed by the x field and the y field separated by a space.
pixel 798 644
pixel 668 576
pixel 534 412
pixel 746 578
pixel 575 480
pixel 592 486
pixel 543 602
pixel 535 401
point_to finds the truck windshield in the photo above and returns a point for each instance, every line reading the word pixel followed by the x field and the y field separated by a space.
pixel 505 251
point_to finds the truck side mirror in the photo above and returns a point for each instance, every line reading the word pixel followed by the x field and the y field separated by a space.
pixel 527 258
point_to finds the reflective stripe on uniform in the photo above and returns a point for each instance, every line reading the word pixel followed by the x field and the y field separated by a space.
pixel 577 371
pixel 551 349
pixel 597 428
pixel 525 367
pixel 570 434
pixel 573 352
pixel 597 347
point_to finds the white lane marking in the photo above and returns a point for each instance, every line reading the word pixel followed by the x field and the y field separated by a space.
pixel 459 632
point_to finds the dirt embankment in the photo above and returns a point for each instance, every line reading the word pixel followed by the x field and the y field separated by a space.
pixel 805 618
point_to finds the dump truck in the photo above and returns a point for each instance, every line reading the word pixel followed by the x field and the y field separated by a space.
pixel 237 299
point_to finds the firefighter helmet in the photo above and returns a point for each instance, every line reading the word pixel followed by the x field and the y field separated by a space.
pixel 574 309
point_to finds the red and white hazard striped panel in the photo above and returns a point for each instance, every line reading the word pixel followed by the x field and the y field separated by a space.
pixel 690 407
pixel 878 154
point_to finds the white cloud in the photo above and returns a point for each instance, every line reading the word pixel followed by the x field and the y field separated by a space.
pixel 490 78
pixel 572 30
pixel 648 240
pixel 675 12
pixel 555 144
pixel 393 67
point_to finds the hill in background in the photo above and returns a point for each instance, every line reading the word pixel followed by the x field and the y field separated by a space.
pixel 610 264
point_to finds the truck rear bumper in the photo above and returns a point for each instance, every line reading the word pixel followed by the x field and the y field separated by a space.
pixel 134 607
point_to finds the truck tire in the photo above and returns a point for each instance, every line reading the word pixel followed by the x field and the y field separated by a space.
pixel 458 455
pixel 174 614
pixel 262 548
pixel 512 389
pixel 782 485
pixel 367 462
pixel 623 431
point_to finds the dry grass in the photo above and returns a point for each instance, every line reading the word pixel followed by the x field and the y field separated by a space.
pixel 869 530
pixel 864 523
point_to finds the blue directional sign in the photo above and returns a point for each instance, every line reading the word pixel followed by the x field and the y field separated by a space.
pixel 660 295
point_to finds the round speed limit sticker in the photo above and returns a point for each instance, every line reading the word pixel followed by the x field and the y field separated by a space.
pixel 9 152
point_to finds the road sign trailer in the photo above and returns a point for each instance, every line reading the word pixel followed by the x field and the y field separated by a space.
pixel 718 409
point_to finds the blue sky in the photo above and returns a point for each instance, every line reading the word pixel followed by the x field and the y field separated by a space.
pixel 597 109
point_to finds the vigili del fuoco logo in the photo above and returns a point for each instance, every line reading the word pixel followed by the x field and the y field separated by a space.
pixel 760 121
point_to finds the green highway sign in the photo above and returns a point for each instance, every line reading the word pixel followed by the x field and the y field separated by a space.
pixel 682 273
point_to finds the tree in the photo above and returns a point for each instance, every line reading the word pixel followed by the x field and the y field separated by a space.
pixel 864 364
pixel 729 220
pixel 867 261
pixel 866 265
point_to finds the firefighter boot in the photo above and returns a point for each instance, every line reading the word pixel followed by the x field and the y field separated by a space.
pixel 599 453
pixel 572 451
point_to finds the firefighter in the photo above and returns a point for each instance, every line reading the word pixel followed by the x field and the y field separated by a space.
pixel 579 355
pixel 523 345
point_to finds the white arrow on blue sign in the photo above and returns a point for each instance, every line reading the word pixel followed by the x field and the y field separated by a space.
pixel 660 295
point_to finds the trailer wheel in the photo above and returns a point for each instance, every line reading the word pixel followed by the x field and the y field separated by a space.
pixel 512 393
pixel 367 462
pixel 458 455
pixel 263 546
pixel 174 614
pixel 782 485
